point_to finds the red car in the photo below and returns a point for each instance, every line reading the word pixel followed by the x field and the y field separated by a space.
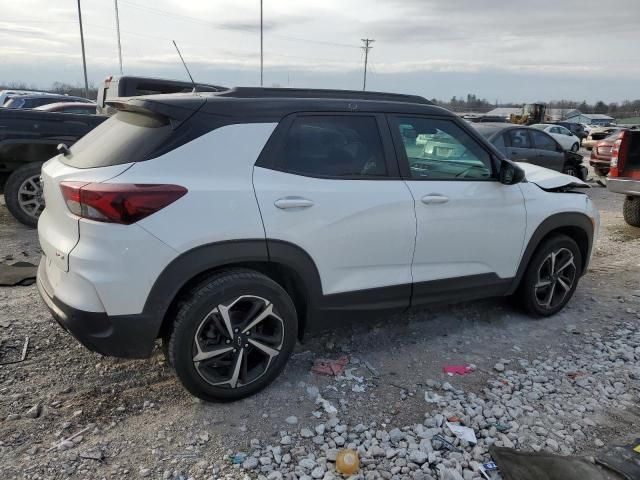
pixel 601 155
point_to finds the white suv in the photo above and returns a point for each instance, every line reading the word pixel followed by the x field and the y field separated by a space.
pixel 228 224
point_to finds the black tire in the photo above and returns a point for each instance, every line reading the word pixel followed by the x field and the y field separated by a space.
pixel 198 316
pixel 532 296
pixel 570 169
pixel 13 196
pixel 631 211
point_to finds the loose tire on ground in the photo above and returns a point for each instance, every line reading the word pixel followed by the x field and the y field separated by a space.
pixel 631 211
pixel 217 305
pixel 532 291
pixel 17 183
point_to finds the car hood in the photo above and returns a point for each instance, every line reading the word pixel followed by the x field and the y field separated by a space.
pixel 550 179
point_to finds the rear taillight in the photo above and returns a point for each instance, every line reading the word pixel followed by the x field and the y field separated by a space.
pixel 619 154
pixel 123 203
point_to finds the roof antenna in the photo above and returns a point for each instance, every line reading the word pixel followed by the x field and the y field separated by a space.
pixel 185 67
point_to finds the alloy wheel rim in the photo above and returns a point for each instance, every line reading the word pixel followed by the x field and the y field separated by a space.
pixel 30 197
pixel 235 344
pixel 556 276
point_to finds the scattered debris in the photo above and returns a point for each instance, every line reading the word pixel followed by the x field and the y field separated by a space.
pixel 95 454
pixel 18 274
pixel 238 458
pixel 515 465
pixel 23 356
pixel 347 461
pixel 624 459
pixel 68 440
pixel 463 433
pixel 441 443
pixel 326 405
pixel 330 367
pixel 452 370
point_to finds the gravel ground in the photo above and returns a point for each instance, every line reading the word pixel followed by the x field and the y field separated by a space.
pixel 567 384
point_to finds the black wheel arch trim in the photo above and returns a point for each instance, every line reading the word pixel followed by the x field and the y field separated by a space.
pixel 564 222
pixel 205 258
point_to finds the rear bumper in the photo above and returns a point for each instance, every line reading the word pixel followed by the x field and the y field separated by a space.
pixel 126 336
pixel 625 186
pixel 600 162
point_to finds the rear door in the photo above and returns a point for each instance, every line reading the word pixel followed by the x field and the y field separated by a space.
pixel 549 153
pixel 329 184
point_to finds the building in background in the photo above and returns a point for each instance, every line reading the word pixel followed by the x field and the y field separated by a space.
pixel 590 119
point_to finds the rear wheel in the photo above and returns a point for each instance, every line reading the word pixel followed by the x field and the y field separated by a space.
pixel 233 335
pixel 551 276
pixel 631 211
pixel 23 194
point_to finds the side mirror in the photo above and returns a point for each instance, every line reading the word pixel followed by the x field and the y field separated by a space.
pixel 510 173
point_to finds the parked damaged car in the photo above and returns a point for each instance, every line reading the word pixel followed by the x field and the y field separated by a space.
pixel 528 144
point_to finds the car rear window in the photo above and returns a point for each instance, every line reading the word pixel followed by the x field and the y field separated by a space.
pixel 124 138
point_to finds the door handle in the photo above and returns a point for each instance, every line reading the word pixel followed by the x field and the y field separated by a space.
pixel 293 202
pixel 434 198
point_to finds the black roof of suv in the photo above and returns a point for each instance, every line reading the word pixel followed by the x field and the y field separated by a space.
pixel 274 103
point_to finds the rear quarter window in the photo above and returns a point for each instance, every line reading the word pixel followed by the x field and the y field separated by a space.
pixel 124 138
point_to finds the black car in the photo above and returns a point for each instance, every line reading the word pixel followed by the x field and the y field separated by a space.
pixel 526 144
pixel 576 128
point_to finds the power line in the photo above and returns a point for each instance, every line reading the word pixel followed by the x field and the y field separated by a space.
pixel 367 42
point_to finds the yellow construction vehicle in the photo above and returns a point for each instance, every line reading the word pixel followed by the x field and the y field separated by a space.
pixel 531 113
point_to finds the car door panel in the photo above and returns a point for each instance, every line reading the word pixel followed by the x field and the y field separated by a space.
pixel 360 232
pixel 519 146
pixel 473 231
pixel 547 152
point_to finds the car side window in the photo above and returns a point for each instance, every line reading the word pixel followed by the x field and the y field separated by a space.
pixel 439 149
pixel 340 146
pixel 543 141
pixel 519 138
pixel 498 142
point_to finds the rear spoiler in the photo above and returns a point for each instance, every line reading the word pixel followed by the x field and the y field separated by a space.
pixel 177 109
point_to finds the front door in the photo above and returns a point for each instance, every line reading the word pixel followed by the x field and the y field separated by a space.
pixel 549 153
pixel 470 226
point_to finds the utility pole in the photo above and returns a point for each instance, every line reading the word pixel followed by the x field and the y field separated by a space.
pixel 118 30
pixel 367 42
pixel 261 48
pixel 84 58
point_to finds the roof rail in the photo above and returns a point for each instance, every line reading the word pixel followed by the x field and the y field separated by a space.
pixel 257 92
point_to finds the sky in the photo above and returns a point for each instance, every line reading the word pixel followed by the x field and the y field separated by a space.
pixel 501 50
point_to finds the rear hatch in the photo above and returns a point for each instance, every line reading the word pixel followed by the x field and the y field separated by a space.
pixel 139 131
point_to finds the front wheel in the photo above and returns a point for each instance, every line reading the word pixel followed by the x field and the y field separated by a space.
pixel 575 147
pixel 631 211
pixel 23 194
pixel 551 276
pixel 232 335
